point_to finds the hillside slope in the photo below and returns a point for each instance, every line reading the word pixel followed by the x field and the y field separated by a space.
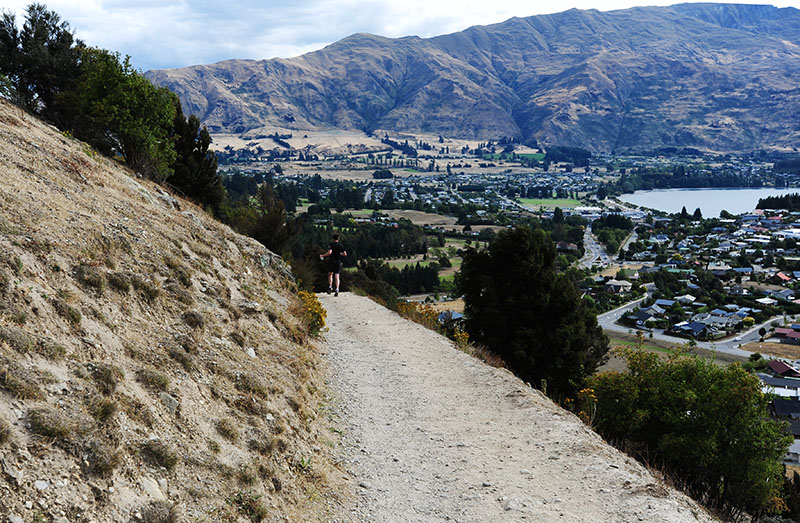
pixel 715 76
pixel 435 435
pixel 152 364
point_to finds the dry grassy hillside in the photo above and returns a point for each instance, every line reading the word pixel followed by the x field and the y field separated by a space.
pixel 152 363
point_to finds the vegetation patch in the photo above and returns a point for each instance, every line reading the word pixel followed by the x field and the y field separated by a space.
pixel 102 458
pixel 119 281
pixel 193 319
pixel 250 383
pixel 181 356
pixel 5 431
pixel 227 429
pixel 314 313
pixel 17 339
pixel 159 453
pixel 249 505
pixel 103 409
pixel 148 289
pixel 51 423
pixel 21 382
pixel 160 512
pixel 50 349
pixel 90 276
pixel 152 379
pixel 67 311
pixel 107 377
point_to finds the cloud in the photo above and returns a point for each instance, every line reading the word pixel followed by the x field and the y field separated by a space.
pixel 177 33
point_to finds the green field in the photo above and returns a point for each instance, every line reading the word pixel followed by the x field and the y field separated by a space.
pixel 402 263
pixel 358 212
pixel 552 203
pixel 613 342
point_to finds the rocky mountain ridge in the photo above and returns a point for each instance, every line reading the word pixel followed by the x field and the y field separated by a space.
pixel 719 77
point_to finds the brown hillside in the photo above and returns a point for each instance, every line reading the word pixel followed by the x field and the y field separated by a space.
pixel 152 363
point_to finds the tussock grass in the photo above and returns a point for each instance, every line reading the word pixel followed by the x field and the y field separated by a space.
pixel 51 423
pixel 91 276
pixel 149 290
pixel 120 282
pixel 251 384
pixel 21 382
pixel 184 358
pixel 227 429
pixel 193 319
pixel 160 512
pixel 249 504
pixel 50 349
pixel 67 311
pixel 17 339
pixel 102 458
pixel 5 431
pixel 159 453
pixel 103 409
pixel 153 379
pixel 107 377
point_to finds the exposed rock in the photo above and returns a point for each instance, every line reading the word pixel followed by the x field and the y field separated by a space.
pixel 152 488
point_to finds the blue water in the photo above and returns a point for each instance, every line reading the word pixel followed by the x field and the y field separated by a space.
pixel 710 201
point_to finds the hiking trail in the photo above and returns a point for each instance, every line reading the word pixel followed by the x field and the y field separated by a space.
pixel 432 434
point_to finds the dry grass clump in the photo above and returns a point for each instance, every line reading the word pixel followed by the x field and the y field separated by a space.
pixel 91 276
pixel 180 355
pixel 102 458
pixel 159 453
pixel 103 409
pixel 5 431
pixel 193 319
pixel 17 339
pixel 148 289
pixel 51 423
pixel 179 293
pixel 21 382
pixel 249 505
pixel 153 379
pixel 160 512
pixel 107 377
pixel 67 311
pixel 227 429
pixel 50 349
pixel 251 384
pixel 120 282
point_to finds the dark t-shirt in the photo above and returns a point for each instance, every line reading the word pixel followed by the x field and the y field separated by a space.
pixel 335 259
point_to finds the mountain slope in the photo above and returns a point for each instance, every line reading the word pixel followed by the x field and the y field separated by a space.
pixel 715 76
pixel 151 360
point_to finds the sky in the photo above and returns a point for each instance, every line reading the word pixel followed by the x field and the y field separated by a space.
pixel 160 34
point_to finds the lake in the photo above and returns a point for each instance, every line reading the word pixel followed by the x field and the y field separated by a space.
pixel 710 201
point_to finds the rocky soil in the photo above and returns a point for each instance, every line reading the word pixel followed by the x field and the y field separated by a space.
pixel 432 434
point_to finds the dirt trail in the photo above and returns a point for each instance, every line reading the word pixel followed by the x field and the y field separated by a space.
pixel 432 434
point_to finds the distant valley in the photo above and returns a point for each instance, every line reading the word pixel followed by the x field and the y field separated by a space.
pixel 718 77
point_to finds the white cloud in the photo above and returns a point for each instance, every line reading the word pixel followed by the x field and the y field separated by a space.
pixel 176 33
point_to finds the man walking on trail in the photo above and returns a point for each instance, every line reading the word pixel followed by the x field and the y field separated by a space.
pixel 334 255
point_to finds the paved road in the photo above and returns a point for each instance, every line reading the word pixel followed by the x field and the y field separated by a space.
pixel 594 254
pixel 729 346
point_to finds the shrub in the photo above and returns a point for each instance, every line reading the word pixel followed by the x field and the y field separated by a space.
pixel 91 276
pixel 153 379
pixel 50 349
pixel 51 423
pixel 250 383
pixel 314 313
pixel 159 453
pixel 425 315
pixel 227 429
pixel 249 504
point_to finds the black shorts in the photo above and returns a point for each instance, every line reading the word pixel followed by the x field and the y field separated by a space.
pixel 335 266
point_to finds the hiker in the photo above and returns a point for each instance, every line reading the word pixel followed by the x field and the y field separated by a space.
pixel 334 255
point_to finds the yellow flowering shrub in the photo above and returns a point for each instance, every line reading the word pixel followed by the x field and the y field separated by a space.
pixel 425 315
pixel 314 313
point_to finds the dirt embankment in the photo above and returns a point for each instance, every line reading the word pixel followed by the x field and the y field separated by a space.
pixel 435 435
pixel 151 365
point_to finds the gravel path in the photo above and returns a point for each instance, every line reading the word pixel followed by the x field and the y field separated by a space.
pixel 432 434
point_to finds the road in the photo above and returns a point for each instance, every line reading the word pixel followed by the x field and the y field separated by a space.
pixel 594 253
pixel 608 321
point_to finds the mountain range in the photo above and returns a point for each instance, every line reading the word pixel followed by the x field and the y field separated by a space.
pixel 719 77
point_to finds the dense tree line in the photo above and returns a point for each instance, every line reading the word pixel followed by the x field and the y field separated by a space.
pixel 520 307
pixel 99 98
pixel 573 155
pixel 789 202
pixel 611 230
pixel 680 177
